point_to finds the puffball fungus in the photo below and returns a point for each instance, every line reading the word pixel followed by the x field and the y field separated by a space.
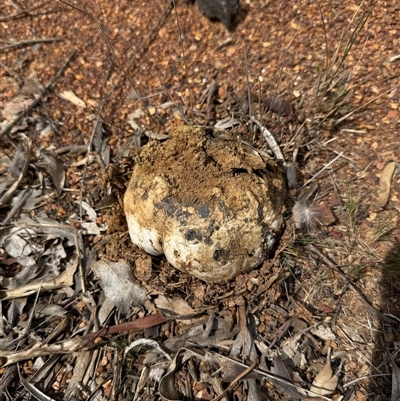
pixel 208 202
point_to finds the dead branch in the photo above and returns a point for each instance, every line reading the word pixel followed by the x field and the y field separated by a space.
pixel 39 349
pixel 76 344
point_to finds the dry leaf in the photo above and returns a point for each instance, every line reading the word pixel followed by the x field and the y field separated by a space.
pixel 173 306
pixel 323 331
pixel 57 170
pixel 18 242
pixel 385 184
pixel 325 382
pixel 15 107
pixel 278 105
pixel 71 97
pixel 281 370
pixel 395 396
pixel 120 286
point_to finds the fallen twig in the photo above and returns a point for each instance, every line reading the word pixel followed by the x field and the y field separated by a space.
pixel 29 42
pixel 323 169
pixel 76 344
pixel 212 89
pixel 56 77
pixel 364 300
pixel 39 349
pixel 23 12
pixel 237 379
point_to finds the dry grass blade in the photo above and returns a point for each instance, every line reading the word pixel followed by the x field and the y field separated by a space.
pixel 385 182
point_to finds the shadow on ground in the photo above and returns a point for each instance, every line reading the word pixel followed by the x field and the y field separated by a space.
pixel 386 341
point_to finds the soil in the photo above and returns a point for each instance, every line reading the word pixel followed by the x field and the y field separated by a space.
pixel 156 62
pixel 197 161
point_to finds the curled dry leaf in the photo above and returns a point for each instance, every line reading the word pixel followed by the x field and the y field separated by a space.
pixel 17 241
pixel 175 306
pixel 385 184
pixel 203 334
pixel 226 123
pixel 90 224
pixel 228 367
pixel 323 331
pixel 16 106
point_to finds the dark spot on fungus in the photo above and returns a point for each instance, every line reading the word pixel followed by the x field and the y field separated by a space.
pixel 203 211
pixel 192 235
pixel 220 255
pixel 237 171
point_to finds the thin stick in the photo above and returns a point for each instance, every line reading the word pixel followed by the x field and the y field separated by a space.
pixel 90 15
pixel 23 12
pixel 323 169
pixel 237 379
pixel 22 43
pixel 364 300
pixel 246 73
pixel 364 105
pixel 89 145
pixel 183 53
pixel 56 77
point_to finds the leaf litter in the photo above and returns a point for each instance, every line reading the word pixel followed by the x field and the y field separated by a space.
pixel 265 335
